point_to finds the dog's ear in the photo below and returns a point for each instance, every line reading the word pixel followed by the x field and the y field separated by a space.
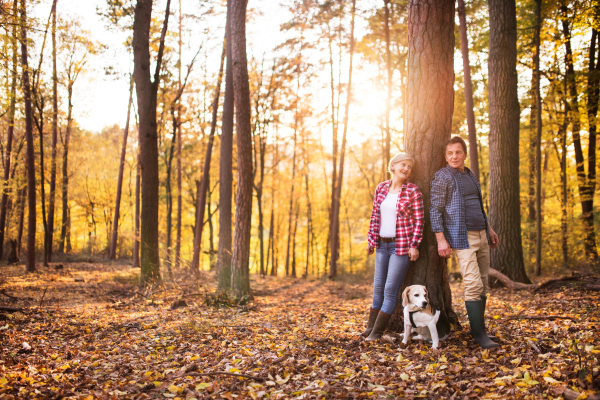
pixel 405 296
pixel 426 295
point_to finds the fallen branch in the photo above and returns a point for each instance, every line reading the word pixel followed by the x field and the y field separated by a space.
pixel 509 283
pixel 10 309
pixel 256 378
pixel 8 295
pixel 589 286
pixel 562 279
pixel 539 317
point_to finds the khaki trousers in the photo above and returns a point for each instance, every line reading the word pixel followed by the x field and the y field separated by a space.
pixel 474 264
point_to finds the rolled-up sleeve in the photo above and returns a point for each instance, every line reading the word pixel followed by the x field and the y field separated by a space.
pixel 373 236
pixel 438 202
pixel 419 218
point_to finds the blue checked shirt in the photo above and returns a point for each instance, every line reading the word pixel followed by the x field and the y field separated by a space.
pixel 447 212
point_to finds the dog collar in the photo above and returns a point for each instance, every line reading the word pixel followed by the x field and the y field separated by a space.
pixel 410 317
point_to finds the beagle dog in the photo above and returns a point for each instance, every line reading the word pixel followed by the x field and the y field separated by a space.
pixel 420 316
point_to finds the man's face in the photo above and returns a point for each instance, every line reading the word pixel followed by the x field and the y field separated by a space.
pixel 456 156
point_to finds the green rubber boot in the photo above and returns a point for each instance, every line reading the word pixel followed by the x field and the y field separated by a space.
pixel 379 327
pixel 475 313
pixel 373 312
pixel 484 300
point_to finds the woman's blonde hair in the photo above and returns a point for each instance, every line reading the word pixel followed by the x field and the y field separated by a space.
pixel 399 158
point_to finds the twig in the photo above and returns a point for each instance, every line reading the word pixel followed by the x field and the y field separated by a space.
pixel 256 378
pixel 533 346
pixel 42 299
pixel 539 317
pixel 8 295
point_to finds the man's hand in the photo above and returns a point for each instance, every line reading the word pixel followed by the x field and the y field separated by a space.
pixel 444 249
pixel 370 249
pixel 494 240
pixel 413 254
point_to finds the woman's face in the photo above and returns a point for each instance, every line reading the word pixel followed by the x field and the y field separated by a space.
pixel 401 170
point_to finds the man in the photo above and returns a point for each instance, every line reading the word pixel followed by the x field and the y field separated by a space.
pixel 460 224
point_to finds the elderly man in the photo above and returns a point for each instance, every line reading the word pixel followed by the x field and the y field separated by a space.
pixel 460 224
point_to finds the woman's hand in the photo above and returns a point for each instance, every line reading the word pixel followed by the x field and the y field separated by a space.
pixel 370 249
pixel 413 254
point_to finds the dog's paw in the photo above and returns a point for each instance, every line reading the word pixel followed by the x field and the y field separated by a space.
pixel 405 342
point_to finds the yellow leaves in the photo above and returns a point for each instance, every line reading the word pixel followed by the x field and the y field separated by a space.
pixel 516 361
pixel 404 376
pixel 202 386
pixel 496 317
pixel 54 356
pixel 551 380
pixel 194 358
pixel 3 381
pixel 148 373
pixel 170 348
pixel 286 377
pixel 400 358
pixel 175 389
pixel 234 370
pixel 443 359
pixel 157 383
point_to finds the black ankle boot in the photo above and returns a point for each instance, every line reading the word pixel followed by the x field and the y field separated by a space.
pixel 379 327
pixel 372 317
pixel 475 313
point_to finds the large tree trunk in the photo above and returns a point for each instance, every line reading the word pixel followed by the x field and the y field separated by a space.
pixel 464 45
pixel 206 170
pixel 11 130
pixel 52 199
pixel 146 91
pixel 240 273
pixel 225 168
pixel 505 213
pixel 538 142
pixel 31 223
pixel 585 189
pixel 115 231
pixel 335 221
pixel 430 98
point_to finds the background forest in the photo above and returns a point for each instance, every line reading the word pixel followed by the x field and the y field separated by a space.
pixel 300 110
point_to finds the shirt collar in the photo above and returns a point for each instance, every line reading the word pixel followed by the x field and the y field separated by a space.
pixel 456 171
pixel 388 183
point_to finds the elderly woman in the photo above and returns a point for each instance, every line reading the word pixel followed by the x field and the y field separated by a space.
pixel 396 231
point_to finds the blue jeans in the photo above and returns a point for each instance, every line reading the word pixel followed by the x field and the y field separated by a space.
pixel 390 271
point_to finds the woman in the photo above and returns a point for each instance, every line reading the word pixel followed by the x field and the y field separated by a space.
pixel 396 231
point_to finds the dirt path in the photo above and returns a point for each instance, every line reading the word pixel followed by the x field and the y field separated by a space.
pixel 107 338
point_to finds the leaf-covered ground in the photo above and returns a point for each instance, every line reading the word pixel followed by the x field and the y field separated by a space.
pixel 87 331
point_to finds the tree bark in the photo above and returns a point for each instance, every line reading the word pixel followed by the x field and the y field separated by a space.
pixel 464 44
pixel 430 98
pixel 179 138
pixel 147 90
pixel 292 182
pixel 11 130
pixel 65 231
pixel 335 225
pixel 115 232
pixel 52 199
pixel 22 194
pixel 240 279
pixel 538 147
pixel 31 222
pixel 225 168
pixel 505 214
pixel 136 216
pixel 206 171
pixel 583 180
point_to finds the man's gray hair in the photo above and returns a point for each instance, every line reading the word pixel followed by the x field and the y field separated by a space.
pixel 399 158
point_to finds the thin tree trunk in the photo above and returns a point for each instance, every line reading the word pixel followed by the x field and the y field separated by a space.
pixel 11 130
pixel 225 168
pixel 430 98
pixel 22 194
pixel 65 230
pixel 52 199
pixel 136 236
pixel 31 223
pixel 294 275
pixel 563 180
pixel 388 100
pixel 505 213
pixel 115 231
pixel 206 171
pixel 464 44
pixel 338 188
pixel 292 184
pixel 531 233
pixel 147 90
pixel 538 147
pixel 240 279
pixel 585 189
pixel 179 138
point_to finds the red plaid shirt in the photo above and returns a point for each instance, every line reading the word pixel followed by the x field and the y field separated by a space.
pixel 410 217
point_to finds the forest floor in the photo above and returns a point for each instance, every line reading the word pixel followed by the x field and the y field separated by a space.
pixel 88 331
